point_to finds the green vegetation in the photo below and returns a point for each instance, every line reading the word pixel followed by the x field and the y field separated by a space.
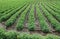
pixel 43 24
pixel 52 20
pixel 2 31
pixel 33 16
pixel 31 20
pixel 14 17
pixel 18 35
pixel 11 35
pixel 21 20
pixel 55 14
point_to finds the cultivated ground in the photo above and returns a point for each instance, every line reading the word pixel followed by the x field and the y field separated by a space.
pixel 42 17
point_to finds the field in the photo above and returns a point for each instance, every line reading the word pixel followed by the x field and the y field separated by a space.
pixel 30 19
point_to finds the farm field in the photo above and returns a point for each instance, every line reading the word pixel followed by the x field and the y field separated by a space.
pixel 30 19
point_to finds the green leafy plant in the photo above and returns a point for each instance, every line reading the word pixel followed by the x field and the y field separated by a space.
pixel 42 21
pixel 20 23
pixel 2 33
pixel 31 20
pixel 11 35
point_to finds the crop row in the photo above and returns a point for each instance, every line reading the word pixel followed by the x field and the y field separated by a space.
pixel 13 18
pixel 55 5
pixel 55 24
pixel 31 19
pixel 55 14
pixel 20 23
pixel 7 16
pixel 6 12
pixel 43 24
pixel 17 35
pixel 6 4
pixel 53 8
